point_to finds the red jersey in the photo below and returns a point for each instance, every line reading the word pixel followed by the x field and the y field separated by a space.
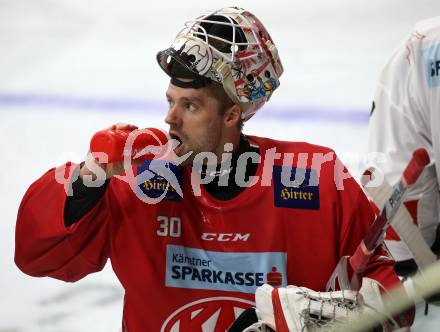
pixel 193 263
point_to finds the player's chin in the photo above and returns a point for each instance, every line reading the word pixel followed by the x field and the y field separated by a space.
pixel 181 151
pixel 188 161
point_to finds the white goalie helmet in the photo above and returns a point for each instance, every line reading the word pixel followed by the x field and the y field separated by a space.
pixel 229 46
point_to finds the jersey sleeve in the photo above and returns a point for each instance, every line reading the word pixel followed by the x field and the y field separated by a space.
pixel 401 122
pixel 398 124
pixel 82 200
pixel 44 246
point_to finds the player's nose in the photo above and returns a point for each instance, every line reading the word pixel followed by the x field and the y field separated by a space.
pixel 173 117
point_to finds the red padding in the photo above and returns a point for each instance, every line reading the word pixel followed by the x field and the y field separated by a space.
pixel 418 162
pixel 280 321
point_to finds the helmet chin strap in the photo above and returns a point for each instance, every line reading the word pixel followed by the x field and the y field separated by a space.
pixel 196 83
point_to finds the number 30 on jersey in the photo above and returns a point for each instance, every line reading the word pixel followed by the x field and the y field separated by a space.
pixel 169 226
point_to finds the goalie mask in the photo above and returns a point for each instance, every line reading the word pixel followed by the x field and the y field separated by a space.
pixel 229 46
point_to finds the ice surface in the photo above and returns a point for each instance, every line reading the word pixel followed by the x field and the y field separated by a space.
pixel 69 68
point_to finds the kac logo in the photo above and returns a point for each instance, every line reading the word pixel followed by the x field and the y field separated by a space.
pixel 206 315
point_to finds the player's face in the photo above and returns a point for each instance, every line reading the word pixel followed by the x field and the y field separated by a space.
pixel 195 121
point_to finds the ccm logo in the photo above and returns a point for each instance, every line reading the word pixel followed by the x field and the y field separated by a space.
pixel 225 237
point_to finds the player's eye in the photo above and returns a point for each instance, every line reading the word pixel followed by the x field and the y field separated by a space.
pixel 190 107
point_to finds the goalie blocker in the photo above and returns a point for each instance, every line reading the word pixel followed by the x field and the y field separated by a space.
pixel 301 309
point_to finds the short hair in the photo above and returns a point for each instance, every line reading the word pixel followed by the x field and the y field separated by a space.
pixel 224 102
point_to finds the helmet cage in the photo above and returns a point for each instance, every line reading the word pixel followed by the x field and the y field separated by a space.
pixel 229 46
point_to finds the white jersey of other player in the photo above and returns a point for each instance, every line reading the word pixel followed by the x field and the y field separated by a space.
pixel 406 116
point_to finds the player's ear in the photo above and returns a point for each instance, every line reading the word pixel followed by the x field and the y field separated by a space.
pixel 232 116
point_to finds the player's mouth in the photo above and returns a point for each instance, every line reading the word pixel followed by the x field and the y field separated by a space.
pixel 179 146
